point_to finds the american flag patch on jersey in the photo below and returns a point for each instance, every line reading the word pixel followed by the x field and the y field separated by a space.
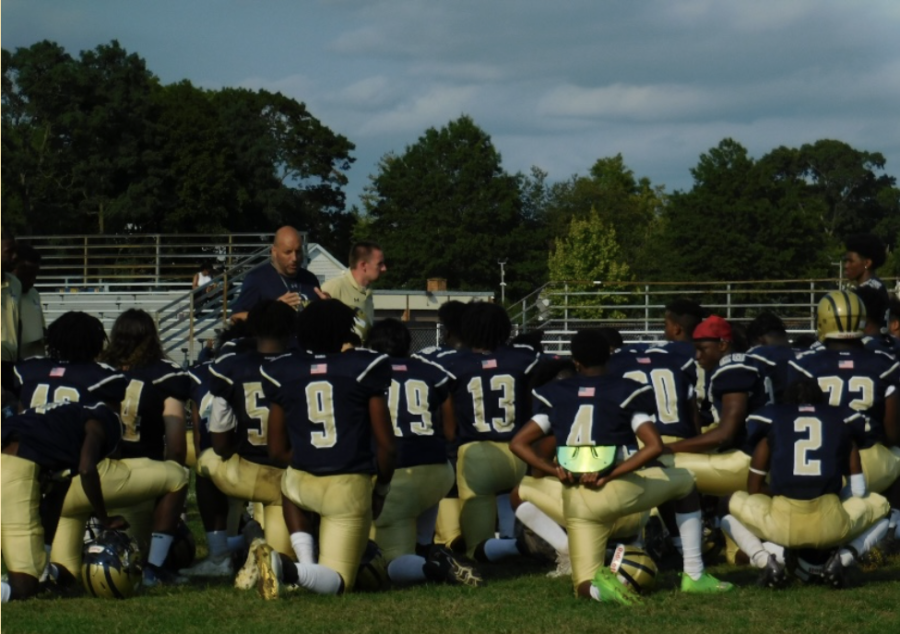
pixel 644 360
pixel 490 364
pixel 398 368
pixel 57 371
pixel 845 365
pixel 586 392
pixel 318 368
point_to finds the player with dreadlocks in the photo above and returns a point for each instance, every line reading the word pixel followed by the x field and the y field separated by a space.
pixel 490 401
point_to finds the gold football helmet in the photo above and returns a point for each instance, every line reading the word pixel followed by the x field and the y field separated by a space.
pixel 634 568
pixel 840 315
pixel 112 568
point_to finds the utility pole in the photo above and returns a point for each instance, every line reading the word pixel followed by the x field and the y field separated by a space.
pixel 502 264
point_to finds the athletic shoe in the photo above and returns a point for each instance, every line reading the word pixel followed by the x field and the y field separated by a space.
pixel 706 584
pixel 248 576
pixel 774 575
pixel 268 562
pixel 444 567
pixel 157 576
pixel 535 546
pixel 612 590
pixel 252 531
pixel 833 572
pixel 563 567
pixel 210 567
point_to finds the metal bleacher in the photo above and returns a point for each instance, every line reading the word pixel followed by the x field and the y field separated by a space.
pixel 105 275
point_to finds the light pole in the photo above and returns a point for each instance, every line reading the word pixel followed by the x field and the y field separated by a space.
pixel 502 264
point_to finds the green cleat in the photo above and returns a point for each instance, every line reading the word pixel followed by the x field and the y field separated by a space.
pixel 613 590
pixel 706 584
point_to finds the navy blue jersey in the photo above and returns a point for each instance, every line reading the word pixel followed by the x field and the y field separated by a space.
pixel 809 446
pixel 734 374
pixel 672 385
pixel 883 343
pixel 142 408
pixel 40 380
pixel 202 400
pixel 490 391
pixel 418 389
pixel 236 378
pixel 325 399
pixel 595 411
pixel 52 435
pixel 265 283
pixel 772 363
pixel 857 378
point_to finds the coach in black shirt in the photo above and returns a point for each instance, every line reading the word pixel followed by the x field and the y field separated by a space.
pixel 282 279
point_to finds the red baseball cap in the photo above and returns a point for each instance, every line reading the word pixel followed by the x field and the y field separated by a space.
pixel 713 327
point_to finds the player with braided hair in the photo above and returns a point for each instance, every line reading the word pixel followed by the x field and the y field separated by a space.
pixel 490 402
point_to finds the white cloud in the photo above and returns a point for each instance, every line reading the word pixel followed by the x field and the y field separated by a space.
pixel 433 108
pixel 625 102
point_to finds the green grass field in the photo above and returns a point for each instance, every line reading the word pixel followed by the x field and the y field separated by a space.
pixel 517 598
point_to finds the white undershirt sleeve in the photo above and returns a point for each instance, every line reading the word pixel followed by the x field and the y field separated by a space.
pixel 221 418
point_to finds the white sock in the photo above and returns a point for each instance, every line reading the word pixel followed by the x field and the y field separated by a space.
pixel 407 569
pixel 217 542
pixel 506 519
pixel 497 549
pixel 690 527
pixel 235 541
pixel 5 592
pixel 303 544
pixel 538 521
pixel 776 550
pixel 894 519
pixel 864 542
pixel 425 525
pixel 319 579
pixel 746 541
pixel 159 548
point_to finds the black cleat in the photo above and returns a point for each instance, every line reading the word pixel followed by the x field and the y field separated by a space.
pixel 444 567
pixel 774 575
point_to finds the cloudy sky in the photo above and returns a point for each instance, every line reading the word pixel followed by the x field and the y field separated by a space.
pixel 557 85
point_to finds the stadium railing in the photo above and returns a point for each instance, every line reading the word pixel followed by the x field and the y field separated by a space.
pixel 136 262
pixel 637 309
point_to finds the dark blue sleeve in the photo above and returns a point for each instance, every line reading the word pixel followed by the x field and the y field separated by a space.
pixel 249 295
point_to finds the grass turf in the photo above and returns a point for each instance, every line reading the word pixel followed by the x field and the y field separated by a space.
pixel 517 598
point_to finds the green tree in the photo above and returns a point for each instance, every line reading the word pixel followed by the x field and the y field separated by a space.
pixel 845 181
pixel 631 206
pixel 589 258
pixel 96 144
pixel 445 208
pixel 741 220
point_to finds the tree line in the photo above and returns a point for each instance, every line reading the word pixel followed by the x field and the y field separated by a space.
pixel 97 144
